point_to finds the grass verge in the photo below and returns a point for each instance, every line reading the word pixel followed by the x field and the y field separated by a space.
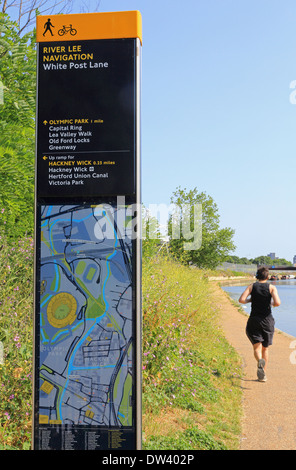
pixel 16 336
pixel 191 375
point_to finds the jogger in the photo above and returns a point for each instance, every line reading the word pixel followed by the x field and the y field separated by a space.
pixel 260 325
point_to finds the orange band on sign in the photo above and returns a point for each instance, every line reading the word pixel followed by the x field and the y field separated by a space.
pixel 87 26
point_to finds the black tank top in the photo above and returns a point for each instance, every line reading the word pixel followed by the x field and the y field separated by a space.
pixel 261 299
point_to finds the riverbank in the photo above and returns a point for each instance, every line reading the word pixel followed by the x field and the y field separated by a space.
pixel 269 409
pixel 191 392
pixel 232 280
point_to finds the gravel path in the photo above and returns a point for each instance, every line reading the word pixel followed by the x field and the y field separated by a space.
pixel 269 408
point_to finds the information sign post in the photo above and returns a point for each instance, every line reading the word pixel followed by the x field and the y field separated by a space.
pixel 87 325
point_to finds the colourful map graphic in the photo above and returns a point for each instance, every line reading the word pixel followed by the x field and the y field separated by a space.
pixel 86 369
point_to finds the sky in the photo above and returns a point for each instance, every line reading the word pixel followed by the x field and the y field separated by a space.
pixel 217 112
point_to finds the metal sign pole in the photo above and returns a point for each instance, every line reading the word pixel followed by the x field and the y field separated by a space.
pixel 87 325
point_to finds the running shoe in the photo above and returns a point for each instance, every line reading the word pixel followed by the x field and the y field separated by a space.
pixel 260 371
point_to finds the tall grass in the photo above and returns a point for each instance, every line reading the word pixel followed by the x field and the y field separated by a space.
pixel 16 336
pixel 190 373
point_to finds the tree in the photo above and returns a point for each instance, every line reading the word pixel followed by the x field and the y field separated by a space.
pixel 237 260
pixel 17 126
pixel 216 242
pixel 17 193
pixel 24 11
pixel 18 75
pixel 267 261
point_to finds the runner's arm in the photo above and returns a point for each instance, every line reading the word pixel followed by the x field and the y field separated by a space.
pixel 244 297
pixel 276 301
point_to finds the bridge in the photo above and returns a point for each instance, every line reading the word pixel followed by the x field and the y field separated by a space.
pixel 281 268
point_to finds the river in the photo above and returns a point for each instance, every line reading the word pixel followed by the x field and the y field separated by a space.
pixel 285 314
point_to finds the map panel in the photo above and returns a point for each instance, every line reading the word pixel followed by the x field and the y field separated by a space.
pixel 86 324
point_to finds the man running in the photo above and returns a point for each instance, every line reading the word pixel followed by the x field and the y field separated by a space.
pixel 260 325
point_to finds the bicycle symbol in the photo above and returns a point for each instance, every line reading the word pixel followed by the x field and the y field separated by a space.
pixel 66 30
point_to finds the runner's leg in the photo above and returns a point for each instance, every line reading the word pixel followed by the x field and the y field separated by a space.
pixel 265 356
pixel 257 347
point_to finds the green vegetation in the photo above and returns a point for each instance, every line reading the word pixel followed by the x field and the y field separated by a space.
pixel 191 391
pixel 18 78
pixel 215 242
pixel 16 336
pixel 259 260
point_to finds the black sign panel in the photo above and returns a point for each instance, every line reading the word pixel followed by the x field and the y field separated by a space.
pixel 87 284
pixel 86 118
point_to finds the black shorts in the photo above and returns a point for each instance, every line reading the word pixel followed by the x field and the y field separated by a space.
pixel 260 330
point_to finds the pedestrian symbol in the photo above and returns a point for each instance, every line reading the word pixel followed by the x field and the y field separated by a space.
pixel 48 27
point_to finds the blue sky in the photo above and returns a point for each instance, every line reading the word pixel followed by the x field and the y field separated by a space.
pixel 216 113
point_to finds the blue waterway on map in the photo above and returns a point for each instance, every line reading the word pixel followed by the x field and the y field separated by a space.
pixel 285 314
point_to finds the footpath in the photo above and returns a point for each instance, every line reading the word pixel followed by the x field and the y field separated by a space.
pixel 269 408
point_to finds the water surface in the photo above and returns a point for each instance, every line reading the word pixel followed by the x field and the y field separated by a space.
pixel 285 314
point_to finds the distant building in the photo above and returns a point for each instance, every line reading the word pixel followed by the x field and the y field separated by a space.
pixel 294 260
pixel 272 255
